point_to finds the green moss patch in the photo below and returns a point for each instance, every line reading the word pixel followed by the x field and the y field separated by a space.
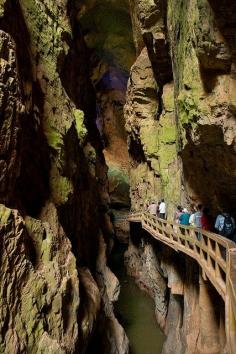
pixel 61 187
pixel 5 214
pixel 79 124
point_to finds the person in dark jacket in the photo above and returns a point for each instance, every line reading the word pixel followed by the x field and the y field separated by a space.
pixel 225 225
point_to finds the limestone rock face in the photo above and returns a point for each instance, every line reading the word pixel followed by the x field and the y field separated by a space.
pixel 114 339
pixel 10 102
pixel 152 15
pixel 204 66
pixel 14 140
pixel 152 138
pixel 39 287
pixel 196 110
pixel 53 186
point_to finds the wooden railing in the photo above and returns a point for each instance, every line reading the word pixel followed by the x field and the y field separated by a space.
pixel 215 254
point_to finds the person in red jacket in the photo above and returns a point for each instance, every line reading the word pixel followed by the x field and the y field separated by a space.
pixel 207 220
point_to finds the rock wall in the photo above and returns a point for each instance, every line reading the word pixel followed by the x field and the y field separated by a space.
pixel 204 68
pixel 150 112
pixel 180 109
pixel 56 290
pixel 152 138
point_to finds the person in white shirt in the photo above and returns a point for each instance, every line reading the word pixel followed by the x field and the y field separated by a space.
pixel 152 208
pixel 191 219
pixel 162 209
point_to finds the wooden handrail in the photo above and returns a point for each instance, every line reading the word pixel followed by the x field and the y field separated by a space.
pixel 215 254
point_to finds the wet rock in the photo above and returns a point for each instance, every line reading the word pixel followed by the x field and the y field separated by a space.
pixel 114 339
pixel 89 312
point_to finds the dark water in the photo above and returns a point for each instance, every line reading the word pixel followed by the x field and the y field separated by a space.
pixel 135 311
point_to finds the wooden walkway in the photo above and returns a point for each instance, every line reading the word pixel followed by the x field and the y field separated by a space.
pixel 215 255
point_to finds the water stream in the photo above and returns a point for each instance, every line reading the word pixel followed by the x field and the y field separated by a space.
pixel 135 311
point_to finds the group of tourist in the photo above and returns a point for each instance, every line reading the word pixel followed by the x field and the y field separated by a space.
pixel 224 224
pixel 200 217
pixel 158 209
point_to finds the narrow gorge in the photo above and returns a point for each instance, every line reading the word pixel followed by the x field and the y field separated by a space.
pixel 105 107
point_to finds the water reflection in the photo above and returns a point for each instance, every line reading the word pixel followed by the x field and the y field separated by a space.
pixel 135 311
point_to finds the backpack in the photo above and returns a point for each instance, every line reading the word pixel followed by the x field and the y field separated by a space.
pixel 228 227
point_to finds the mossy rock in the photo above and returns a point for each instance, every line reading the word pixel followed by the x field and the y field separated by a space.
pixel 149 138
pixel 5 214
pixel 79 124
pixel 2 4
pixel 54 137
pixel 168 98
pixel 61 187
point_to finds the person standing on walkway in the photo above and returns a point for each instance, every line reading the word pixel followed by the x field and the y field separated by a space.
pixel 184 217
pixel 162 209
pixel 207 220
pixel 178 213
pixel 197 220
pixel 225 225
pixel 197 217
pixel 153 208
pixel 191 219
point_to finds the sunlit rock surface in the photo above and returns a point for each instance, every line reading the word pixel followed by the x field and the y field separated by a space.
pixel 152 137
pixel 191 54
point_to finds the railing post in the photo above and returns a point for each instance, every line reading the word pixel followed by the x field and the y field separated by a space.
pixel 208 250
pixel 230 301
